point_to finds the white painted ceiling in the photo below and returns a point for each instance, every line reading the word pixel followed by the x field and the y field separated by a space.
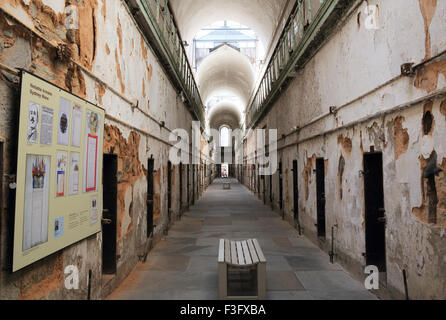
pixel 260 15
pixel 224 113
pixel 227 71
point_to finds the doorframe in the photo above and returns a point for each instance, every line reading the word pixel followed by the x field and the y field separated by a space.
pixel 150 196
pixel 365 173
pixel 296 193
pixel 321 199
pixel 114 216
pixel 169 191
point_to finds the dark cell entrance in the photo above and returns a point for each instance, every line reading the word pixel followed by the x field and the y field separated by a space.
pixel 295 192
pixel 188 186
pixel 110 192
pixel 320 181
pixel 280 185
pixel 193 184
pixel 375 232
pixel 271 190
pixel 150 196
pixel 258 180
pixel 1 181
pixel 169 191
pixel 181 189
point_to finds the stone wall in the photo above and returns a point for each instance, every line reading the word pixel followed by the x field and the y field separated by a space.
pixel 107 61
pixel 358 70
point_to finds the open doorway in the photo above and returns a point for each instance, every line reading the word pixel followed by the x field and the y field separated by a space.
pixel 181 189
pixel 280 186
pixel 296 194
pixel 169 191
pixel 225 170
pixel 109 232
pixel 188 185
pixel 320 185
pixel 150 196
pixel 375 226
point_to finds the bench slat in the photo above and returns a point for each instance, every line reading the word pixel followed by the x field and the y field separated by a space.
pixel 248 259
pixel 241 259
pixel 233 253
pixel 227 251
pixel 221 251
pixel 259 251
pixel 252 250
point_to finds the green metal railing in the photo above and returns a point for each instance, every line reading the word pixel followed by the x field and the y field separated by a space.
pixel 164 32
pixel 302 28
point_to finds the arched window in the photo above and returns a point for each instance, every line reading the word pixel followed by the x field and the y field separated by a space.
pixel 225 137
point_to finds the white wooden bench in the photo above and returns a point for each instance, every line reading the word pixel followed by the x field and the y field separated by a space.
pixel 242 255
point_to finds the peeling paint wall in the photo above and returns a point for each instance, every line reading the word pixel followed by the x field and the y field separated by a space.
pixel 356 61
pixel 117 66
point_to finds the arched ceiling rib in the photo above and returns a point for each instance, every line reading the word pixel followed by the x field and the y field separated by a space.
pixel 260 15
pixel 225 72
pixel 225 113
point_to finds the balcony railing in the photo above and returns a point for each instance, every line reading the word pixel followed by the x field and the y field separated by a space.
pixel 304 30
pixel 156 20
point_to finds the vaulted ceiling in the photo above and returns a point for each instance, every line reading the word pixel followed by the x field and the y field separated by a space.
pixel 224 113
pixel 260 15
pixel 227 71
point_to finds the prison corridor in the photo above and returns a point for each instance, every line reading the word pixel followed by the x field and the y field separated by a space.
pixel 183 266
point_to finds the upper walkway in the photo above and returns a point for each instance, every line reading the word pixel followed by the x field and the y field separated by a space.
pixel 183 266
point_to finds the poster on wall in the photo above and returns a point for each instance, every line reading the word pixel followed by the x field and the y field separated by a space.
pixel 58 227
pixel 64 122
pixel 33 122
pixel 76 127
pixel 74 173
pixel 91 155
pixel 59 169
pixel 94 210
pixel 46 135
pixel 38 170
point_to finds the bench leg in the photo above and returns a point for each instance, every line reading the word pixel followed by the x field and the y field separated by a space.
pixel 223 280
pixel 261 280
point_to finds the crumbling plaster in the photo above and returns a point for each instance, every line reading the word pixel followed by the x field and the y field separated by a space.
pixel 109 45
pixel 353 62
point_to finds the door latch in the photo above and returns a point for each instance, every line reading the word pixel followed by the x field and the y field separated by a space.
pixel 106 221
pixel 382 219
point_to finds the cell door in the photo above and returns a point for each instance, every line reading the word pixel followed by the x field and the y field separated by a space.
pixel 280 185
pixel 188 185
pixel 295 191
pixel 271 190
pixel 320 184
pixel 109 231
pixel 193 184
pixel 181 188
pixel 150 196
pixel 375 227
pixel 169 191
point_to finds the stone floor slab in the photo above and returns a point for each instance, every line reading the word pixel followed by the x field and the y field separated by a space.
pixel 183 266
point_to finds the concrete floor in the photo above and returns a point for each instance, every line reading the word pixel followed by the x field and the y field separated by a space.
pixel 184 265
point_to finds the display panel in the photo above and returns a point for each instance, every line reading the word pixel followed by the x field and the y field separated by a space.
pixel 59 171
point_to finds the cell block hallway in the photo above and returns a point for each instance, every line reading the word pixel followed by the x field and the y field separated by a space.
pixel 222 149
